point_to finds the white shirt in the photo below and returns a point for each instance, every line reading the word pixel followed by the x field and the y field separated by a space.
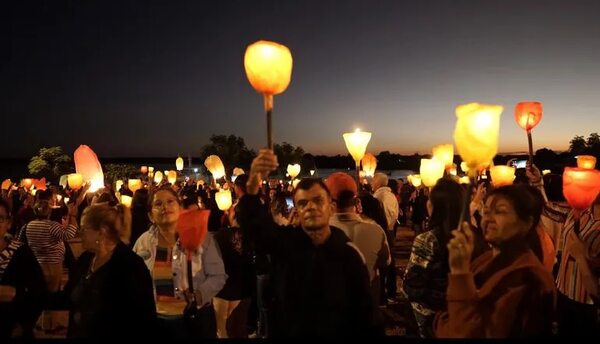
pixel 390 205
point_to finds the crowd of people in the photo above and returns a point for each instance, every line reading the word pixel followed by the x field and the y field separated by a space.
pixel 319 267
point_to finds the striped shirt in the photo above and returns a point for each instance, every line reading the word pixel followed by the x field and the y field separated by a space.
pixel 569 280
pixel 46 240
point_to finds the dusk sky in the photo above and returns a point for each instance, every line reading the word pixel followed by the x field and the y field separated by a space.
pixel 157 78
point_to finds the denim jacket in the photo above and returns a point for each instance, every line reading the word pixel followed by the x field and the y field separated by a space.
pixel 208 270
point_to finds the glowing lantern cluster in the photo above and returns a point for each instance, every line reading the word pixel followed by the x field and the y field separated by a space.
pixel 431 170
pixel 502 175
pixel 215 166
pixel 369 164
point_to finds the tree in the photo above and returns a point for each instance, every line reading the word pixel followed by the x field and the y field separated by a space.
pixel 113 172
pixel 231 149
pixel 593 144
pixel 287 154
pixel 577 145
pixel 50 163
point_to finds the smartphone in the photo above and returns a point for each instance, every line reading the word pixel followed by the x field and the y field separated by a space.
pixel 290 203
pixel 519 163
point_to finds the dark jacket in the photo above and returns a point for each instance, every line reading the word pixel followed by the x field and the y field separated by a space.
pixel 117 299
pixel 25 274
pixel 320 291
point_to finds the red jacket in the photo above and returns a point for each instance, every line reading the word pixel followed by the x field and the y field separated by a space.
pixel 515 301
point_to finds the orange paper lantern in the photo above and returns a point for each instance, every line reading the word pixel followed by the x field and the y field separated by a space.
pixel 75 181
pixel 369 164
pixel 528 114
pixel 580 187
pixel 6 184
pixel 88 165
pixel 172 177
pixel 40 184
pixel 192 227
pixel 27 183
pixel 502 175
pixel 586 161
pixel 215 166
pixel 144 169
pixel 268 67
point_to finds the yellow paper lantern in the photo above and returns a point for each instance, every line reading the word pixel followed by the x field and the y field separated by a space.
pixel 586 161
pixel 293 170
pixel 369 164
pixel 312 172
pixel 158 177
pixel 268 67
pixel 356 143
pixel 215 166
pixel 453 170
pixel 416 180
pixel 150 169
pixel 476 132
pixel 27 183
pixel 464 180
pixel 67 200
pixel 172 177
pixel 431 170
pixel 179 163
pixel 464 167
pixel 545 172
pixel 134 184
pixel 238 171
pixel 126 200
pixel 75 181
pixel 118 185
pixel 295 183
pixel 223 199
pixel 6 184
pixel 502 175
pixel 445 153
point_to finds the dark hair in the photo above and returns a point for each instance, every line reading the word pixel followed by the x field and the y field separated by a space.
pixel 4 204
pixel 116 220
pixel 307 183
pixel 373 209
pixel 528 204
pixel 346 199
pixel 42 209
pixel 190 197
pixel 393 185
pixel 446 197
pixel 162 188
pixel 240 181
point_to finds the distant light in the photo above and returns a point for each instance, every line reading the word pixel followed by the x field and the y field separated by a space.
pixel 195 170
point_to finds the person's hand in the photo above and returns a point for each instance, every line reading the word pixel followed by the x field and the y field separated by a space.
pixel 262 165
pixel 7 293
pixel 534 175
pixel 460 249
pixel 477 198
pixel 191 297
pixel 576 247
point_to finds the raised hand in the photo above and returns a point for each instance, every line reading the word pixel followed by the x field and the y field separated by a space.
pixel 460 249
pixel 262 165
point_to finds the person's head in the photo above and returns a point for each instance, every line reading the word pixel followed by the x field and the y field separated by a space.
pixel 379 180
pixel 190 200
pixel 511 215
pixel 103 225
pixel 164 207
pixel 393 185
pixel 239 186
pixel 343 191
pixel 313 204
pixel 373 209
pixel 444 204
pixel 5 219
pixel 42 209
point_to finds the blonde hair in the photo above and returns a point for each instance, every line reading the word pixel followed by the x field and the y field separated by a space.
pixel 116 220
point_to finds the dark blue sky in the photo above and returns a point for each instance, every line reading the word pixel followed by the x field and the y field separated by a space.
pixel 157 78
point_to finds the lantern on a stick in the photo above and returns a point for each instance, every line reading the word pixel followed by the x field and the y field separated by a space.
pixel 502 175
pixel 444 153
pixel 75 181
pixel 580 188
pixel 179 163
pixel 126 200
pixel 215 166
pixel 268 67
pixel 356 143
pixel 416 180
pixel 172 177
pixel 223 199
pixel 586 161
pixel 431 170
pixel 528 115
pixel 369 164
pixel 134 184
pixel 476 139
pixel 293 170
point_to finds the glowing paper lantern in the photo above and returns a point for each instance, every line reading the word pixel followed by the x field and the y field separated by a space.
pixel 158 177
pixel 431 170
pixel 179 163
pixel 545 172
pixel 134 184
pixel 75 181
pixel 215 166
pixel 27 183
pixel 528 115
pixel 238 171
pixel 476 132
pixel 416 180
pixel 356 143
pixel 464 180
pixel 6 184
pixel 293 170
pixel 295 183
pixel 312 172
pixel 452 170
pixel 172 177
pixel 369 164
pixel 126 200
pixel 39 184
pixel 150 169
pixel 502 175
pixel 586 162
pixel 464 167
pixel 268 67
pixel 144 169
pixel 445 153
pixel 88 165
pixel 192 227
pixel 67 200
pixel 118 185
pixel 223 199
pixel 580 187
pixel 58 198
